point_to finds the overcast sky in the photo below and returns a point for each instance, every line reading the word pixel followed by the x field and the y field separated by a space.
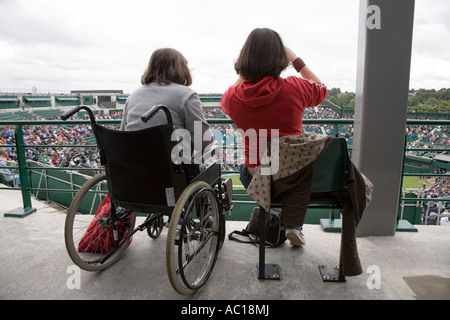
pixel 63 45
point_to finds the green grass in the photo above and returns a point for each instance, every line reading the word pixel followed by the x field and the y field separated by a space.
pixel 237 182
pixel 235 178
pixel 414 182
pixel 408 182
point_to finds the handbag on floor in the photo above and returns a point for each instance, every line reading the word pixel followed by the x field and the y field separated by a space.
pixel 275 234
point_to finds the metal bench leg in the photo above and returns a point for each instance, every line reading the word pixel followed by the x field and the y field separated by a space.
pixel 333 273
pixel 265 271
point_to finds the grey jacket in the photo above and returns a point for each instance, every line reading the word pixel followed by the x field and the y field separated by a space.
pixel 183 103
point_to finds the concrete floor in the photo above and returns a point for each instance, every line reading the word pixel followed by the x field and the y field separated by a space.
pixel 34 265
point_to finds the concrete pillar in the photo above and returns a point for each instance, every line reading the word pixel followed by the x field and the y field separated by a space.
pixel 384 56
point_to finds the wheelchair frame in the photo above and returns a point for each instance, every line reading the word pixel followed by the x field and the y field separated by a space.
pixel 195 210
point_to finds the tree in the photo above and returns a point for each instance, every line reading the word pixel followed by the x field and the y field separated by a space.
pixel 333 92
pixel 334 100
pixel 432 101
pixel 429 97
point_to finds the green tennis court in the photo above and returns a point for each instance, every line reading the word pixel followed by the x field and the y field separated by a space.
pixel 415 182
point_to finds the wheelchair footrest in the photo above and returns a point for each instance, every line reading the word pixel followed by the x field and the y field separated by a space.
pixel 331 273
pixel 271 272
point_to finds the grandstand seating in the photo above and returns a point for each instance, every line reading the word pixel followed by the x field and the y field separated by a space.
pixel 48 113
pixel 31 115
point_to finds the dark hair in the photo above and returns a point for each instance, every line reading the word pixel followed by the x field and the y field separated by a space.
pixel 262 55
pixel 165 66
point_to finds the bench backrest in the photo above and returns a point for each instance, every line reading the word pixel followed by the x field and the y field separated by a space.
pixel 139 168
pixel 331 168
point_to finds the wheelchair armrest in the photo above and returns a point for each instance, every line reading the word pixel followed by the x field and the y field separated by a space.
pixel 210 175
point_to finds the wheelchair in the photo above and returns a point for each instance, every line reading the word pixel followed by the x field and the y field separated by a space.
pixel 140 179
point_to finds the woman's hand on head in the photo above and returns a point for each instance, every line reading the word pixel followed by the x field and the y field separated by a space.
pixel 290 54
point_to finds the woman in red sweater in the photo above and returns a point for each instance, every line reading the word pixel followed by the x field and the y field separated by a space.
pixel 261 101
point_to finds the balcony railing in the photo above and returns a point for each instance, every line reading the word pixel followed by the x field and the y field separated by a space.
pixel 27 170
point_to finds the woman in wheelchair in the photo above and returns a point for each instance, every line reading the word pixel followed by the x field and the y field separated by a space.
pixel 141 177
pixel 166 81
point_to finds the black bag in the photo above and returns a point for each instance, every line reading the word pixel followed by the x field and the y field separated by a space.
pixel 275 234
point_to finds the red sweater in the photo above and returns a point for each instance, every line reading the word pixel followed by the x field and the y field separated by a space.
pixel 270 104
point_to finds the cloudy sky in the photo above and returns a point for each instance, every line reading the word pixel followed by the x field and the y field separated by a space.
pixel 63 45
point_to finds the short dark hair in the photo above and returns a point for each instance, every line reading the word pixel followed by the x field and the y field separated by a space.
pixel 262 55
pixel 165 66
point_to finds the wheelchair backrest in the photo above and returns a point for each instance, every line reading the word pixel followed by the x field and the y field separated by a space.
pixel 331 168
pixel 138 165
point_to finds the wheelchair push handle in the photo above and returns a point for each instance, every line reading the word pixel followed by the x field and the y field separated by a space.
pixel 76 109
pixel 154 110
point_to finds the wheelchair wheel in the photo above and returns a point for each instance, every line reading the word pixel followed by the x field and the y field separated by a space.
pixel 155 228
pixel 94 241
pixel 193 238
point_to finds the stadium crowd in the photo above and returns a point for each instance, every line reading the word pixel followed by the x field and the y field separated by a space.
pixel 440 189
pixel 46 143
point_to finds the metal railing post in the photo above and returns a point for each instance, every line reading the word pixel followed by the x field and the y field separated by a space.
pixel 24 180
